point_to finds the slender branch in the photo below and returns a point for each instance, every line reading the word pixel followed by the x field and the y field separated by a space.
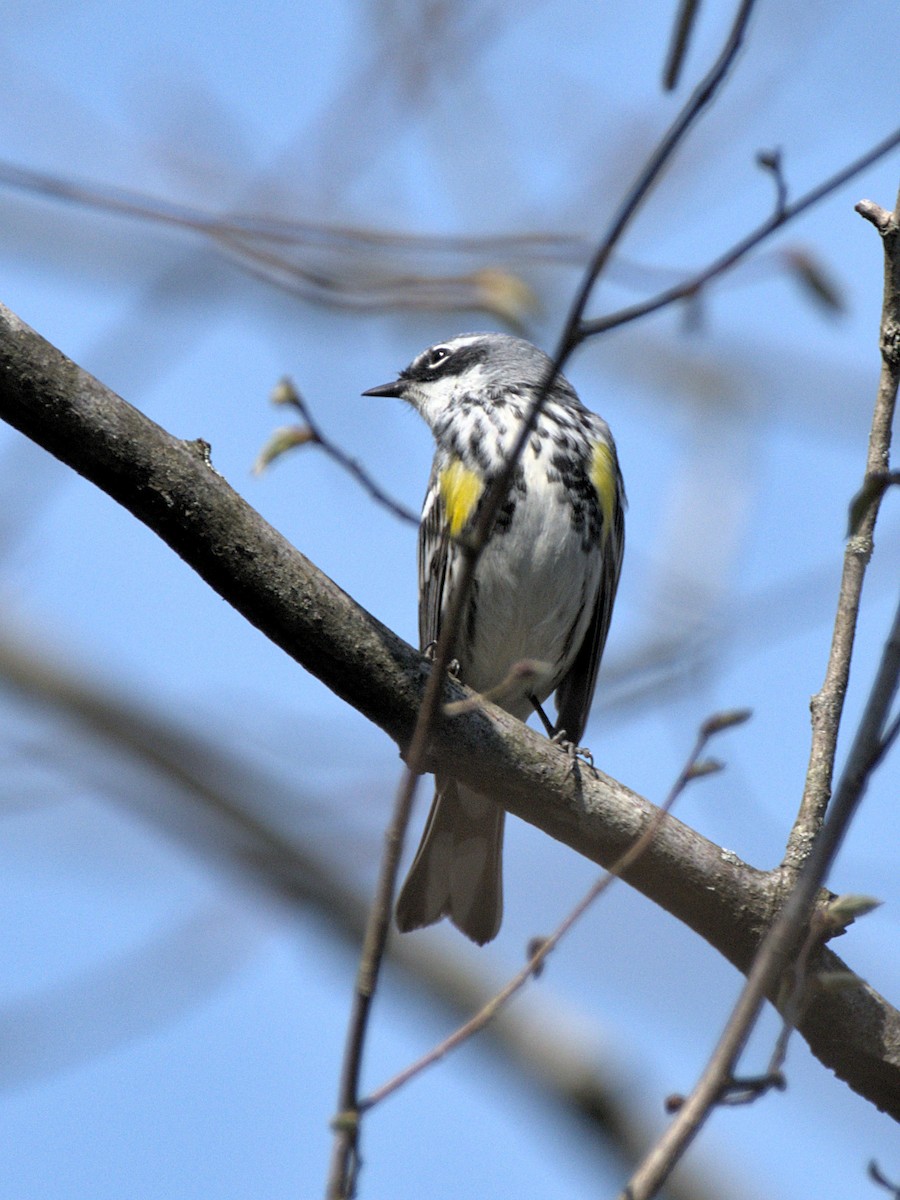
pixel 333 264
pixel 780 941
pixel 688 11
pixel 345 1160
pixel 576 328
pixel 878 1176
pixel 827 705
pixel 286 393
pixel 692 769
pixel 873 489
pixel 770 161
pixel 813 843
pixel 731 257
pixel 348 239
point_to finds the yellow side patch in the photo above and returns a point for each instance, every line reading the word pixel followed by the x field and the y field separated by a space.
pixel 460 492
pixel 603 477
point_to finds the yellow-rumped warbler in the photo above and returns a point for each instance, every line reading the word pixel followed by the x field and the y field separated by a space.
pixel 543 588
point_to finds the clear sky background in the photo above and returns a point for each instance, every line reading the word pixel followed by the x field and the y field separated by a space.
pixel 170 1028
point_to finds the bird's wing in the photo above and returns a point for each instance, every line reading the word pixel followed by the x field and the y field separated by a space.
pixel 436 550
pixel 576 691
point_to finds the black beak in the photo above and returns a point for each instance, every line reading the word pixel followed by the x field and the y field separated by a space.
pixel 395 390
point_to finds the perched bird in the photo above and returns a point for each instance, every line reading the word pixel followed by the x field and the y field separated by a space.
pixel 543 588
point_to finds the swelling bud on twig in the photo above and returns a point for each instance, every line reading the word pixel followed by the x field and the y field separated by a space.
pixel 704 766
pixel 505 295
pixel 814 279
pixel 873 488
pixel 844 910
pixel 284 392
pixel 288 437
pixel 727 719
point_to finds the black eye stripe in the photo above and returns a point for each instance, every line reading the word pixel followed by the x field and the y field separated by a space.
pixel 442 361
pixel 432 364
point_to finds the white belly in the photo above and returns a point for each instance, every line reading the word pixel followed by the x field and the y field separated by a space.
pixel 531 584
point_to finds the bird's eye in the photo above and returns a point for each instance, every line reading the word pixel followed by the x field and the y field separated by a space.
pixel 437 356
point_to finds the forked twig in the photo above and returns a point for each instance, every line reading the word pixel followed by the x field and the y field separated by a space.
pixel 577 329
pixel 286 393
pixel 780 217
pixel 694 768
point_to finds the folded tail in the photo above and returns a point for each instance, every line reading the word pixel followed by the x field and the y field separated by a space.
pixel 457 871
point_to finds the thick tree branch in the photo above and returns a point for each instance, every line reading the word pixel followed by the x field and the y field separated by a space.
pixel 170 486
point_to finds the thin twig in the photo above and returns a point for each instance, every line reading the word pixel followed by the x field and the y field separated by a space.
pixel 827 705
pixel 347 239
pixel 694 768
pixel 873 488
pixel 690 287
pixel 286 393
pixel 770 161
pixel 577 329
pixel 877 1176
pixel 345 1151
pixel 826 921
pixel 685 20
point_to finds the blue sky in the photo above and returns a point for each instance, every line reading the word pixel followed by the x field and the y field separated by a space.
pixel 175 1029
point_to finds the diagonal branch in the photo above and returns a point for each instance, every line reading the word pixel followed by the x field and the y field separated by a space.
pixel 577 328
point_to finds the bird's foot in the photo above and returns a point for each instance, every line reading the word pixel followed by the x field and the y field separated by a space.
pixel 574 753
pixel 452 666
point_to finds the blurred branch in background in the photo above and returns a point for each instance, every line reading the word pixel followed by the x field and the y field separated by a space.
pixel 369 268
pixel 340 265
